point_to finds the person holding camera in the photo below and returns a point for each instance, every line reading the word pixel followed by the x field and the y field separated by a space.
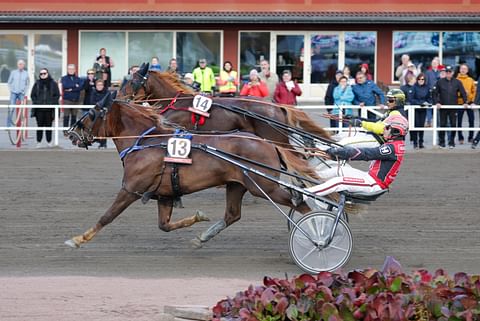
pixel 228 81
pixel 255 87
pixel 287 90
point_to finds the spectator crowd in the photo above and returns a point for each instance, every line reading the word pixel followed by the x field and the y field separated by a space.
pixel 436 86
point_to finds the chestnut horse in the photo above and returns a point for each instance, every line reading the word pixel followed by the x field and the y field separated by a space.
pixel 175 97
pixel 147 173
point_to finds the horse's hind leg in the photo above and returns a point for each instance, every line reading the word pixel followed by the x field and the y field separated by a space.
pixel 123 200
pixel 165 209
pixel 233 212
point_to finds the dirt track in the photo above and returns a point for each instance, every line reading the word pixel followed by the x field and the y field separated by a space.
pixel 429 220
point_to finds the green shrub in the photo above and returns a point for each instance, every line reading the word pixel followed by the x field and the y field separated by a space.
pixel 368 295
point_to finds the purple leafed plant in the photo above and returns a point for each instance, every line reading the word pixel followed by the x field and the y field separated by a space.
pixel 369 295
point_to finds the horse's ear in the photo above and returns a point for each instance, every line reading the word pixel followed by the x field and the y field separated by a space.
pixel 110 98
pixel 144 70
pixel 105 102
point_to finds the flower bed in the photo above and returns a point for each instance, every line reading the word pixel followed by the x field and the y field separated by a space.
pixel 368 295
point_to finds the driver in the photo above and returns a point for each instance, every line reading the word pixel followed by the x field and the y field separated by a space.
pixel 387 159
pixel 395 103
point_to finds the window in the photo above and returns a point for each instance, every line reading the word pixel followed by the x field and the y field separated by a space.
pixel 113 42
pixel 422 47
pixel 360 49
pixel 192 46
pixel 254 46
pixel 142 46
pixel 12 48
pixel 462 47
pixel 49 54
pixel 324 57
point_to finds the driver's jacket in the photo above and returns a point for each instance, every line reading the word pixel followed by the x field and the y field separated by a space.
pixel 387 159
pixel 378 126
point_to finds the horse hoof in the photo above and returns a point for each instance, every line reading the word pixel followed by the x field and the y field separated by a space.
pixel 72 244
pixel 201 217
pixel 196 243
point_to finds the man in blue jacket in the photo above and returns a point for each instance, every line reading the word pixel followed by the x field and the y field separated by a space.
pixel 72 85
pixel 366 93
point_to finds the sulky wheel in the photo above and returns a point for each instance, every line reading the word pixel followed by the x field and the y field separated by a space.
pixel 317 256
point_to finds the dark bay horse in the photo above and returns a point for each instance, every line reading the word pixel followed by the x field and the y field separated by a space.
pixel 145 170
pixel 176 97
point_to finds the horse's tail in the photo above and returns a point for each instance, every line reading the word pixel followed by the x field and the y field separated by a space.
pixel 296 163
pixel 297 117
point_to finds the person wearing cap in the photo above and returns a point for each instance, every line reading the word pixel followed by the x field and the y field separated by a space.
pixel 204 76
pixel 188 80
pixel 447 92
pixel 366 93
pixel 470 89
pixel 255 87
pixel 422 96
pixel 287 90
pixel 364 68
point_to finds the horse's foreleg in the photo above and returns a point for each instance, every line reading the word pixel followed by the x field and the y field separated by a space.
pixel 233 212
pixel 165 209
pixel 122 201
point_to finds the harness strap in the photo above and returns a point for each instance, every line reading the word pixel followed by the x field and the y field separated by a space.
pixel 177 190
pixel 136 146
pixel 171 105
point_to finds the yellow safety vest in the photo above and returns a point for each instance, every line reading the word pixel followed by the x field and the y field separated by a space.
pixel 227 86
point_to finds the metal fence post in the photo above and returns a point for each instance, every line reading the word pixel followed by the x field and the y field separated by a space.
pixel 57 116
pixel 434 125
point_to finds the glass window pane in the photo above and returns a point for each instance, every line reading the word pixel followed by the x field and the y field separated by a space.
pixel 142 46
pixel 461 47
pixel 422 47
pixel 48 54
pixel 290 55
pixel 12 48
pixel 113 42
pixel 192 46
pixel 360 49
pixel 324 57
pixel 254 46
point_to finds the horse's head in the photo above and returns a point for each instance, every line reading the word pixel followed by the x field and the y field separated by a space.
pixel 82 133
pixel 137 84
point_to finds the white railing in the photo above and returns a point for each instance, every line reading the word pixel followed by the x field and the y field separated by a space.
pixel 379 110
pixel 55 128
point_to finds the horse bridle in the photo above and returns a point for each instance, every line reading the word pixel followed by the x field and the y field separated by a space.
pixel 85 136
pixel 138 84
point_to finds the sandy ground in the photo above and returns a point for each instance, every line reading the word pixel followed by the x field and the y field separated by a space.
pixel 132 269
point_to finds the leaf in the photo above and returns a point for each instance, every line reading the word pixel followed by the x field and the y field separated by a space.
pixel 267 296
pixel 469 302
pixel 306 278
pixel 282 305
pixel 329 310
pixel 292 312
pixel 325 278
pixel 396 285
pixel 346 314
pixel 392 266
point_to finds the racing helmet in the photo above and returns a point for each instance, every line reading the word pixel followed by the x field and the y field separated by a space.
pixel 398 126
pixel 398 95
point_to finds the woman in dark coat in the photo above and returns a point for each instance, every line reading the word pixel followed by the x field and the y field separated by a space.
pixel 44 92
pixel 421 96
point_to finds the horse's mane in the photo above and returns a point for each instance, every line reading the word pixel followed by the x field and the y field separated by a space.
pixel 142 115
pixel 173 81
